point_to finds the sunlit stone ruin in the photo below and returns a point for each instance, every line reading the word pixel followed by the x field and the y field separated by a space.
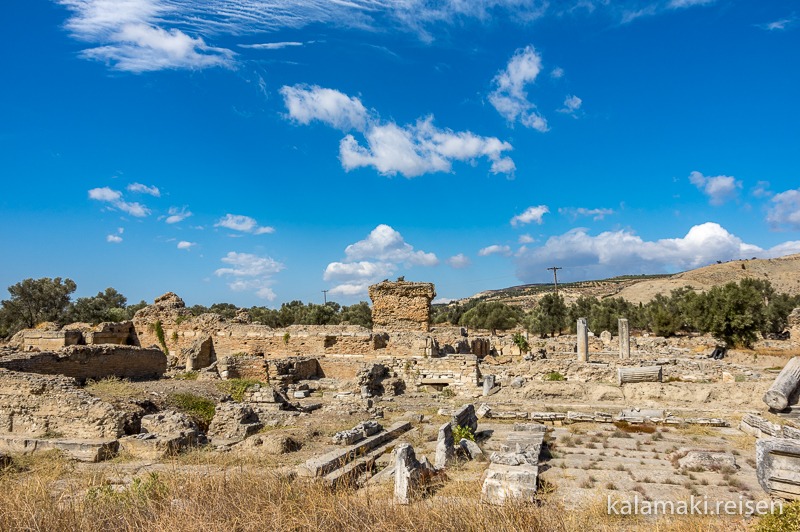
pixel 409 407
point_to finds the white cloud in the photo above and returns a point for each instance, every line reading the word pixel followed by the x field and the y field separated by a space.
pixel 571 105
pixel 250 273
pixel 177 214
pixel 557 73
pixel 129 35
pixel 183 244
pixel 104 194
pixel 719 189
pixel 762 190
pixel 308 103
pixel 611 253
pixel 271 45
pixel 778 25
pixel 144 189
pixel 114 198
pixel 526 239
pixel 410 150
pixel 678 4
pixel 443 300
pixel 375 258
pixel 531 214
pixel 245 224
pixel 509 96
pixel 596 214
pixel 459 261
pixel 386 244
pixel 114 239
pixel 785 210
pixel 495 249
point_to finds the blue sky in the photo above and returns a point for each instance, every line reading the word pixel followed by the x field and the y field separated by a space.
pixel 257 152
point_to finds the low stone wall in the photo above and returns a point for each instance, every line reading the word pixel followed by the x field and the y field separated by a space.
pixel 53 406
pixel 84 362
pixel 39 340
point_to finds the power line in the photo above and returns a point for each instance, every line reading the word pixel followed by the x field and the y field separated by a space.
pixel 325 296
pixel 555 277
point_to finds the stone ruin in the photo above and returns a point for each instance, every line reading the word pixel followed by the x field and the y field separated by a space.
pixel 401 306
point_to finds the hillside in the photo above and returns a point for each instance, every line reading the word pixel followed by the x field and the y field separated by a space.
pixel 783 273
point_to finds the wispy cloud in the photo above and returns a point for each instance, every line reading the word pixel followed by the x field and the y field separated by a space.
pixel 131 36
pixel 778 25
pixel 144 189
pixel 495 249
pixel 459 261
pixel 719 189
pixel 250 273
pixel 244 224
pixel 177 214
pixel 376 257
pixel 531 214
pixel 410 150
pixel 596 214
pixel 115 238
pixel 571 105
pixel 183 244
pixel 510 96
pixel 271 45
pixel 784 211
pixel 114 199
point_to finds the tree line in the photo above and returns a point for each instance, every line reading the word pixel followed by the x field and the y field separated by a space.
pixel 34 301
pixel 735 313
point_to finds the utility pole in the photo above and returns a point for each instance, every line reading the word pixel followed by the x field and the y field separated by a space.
pixel 555 277
pixel 325 296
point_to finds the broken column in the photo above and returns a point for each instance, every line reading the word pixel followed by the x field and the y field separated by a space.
pixel 583 340
pixel 777 397
pixel 488 384
pixel 643 374
pixel 624 338
pixel 409 473
pixel 445 446
pixel 777 464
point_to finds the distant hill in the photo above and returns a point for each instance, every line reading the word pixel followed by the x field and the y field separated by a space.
pixel 783 273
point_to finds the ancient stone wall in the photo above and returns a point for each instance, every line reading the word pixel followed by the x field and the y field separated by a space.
pixel 48 405
pixel 401 306
pixel 84 362
pixel 41 340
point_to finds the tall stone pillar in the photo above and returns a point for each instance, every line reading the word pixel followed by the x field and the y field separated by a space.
pixel 624 339
pixel 583 340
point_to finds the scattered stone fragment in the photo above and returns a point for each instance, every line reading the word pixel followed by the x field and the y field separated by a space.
pixel 445 446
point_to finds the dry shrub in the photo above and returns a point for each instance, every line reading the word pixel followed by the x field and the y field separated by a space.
pixel 114 388
pixel 641 428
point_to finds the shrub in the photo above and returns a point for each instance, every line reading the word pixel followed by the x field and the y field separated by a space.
pixel 464 433
pixel 199 408
pixel 554 376
pixel 236 387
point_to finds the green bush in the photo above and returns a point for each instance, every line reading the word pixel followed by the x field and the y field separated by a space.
pixel 789 519
pixel 463 433
pixel 159 330
pixel 554 376
pixel 236 387
pixel 199 408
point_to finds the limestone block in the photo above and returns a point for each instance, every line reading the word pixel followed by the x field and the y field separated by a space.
pixel 445 446
pixel 233 422
pixel 778 467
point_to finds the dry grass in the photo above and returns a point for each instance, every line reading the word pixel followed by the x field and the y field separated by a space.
pixel 47 493
pixel 113 388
